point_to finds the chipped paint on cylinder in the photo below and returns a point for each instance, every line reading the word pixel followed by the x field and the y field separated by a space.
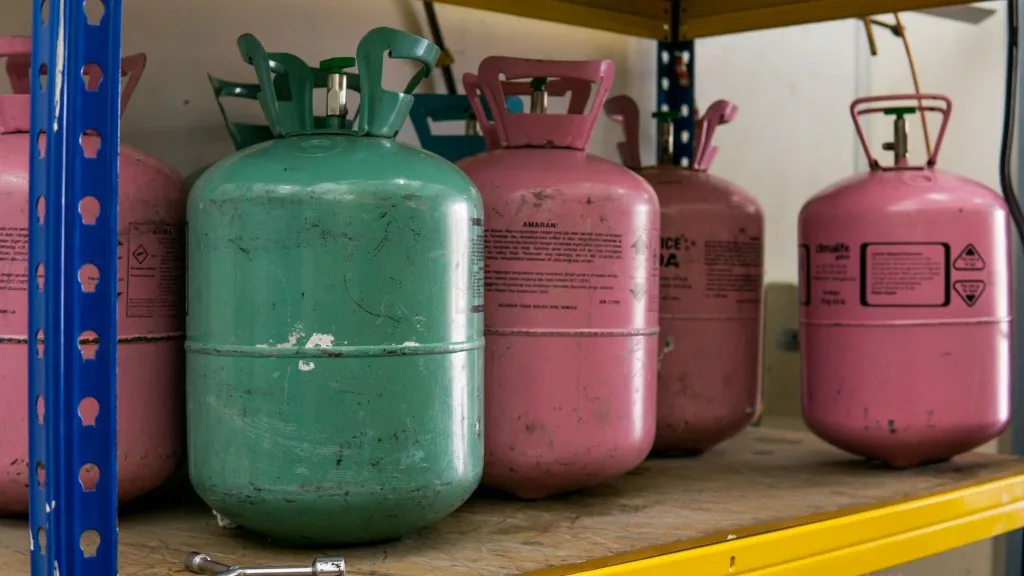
pixel 709 377
pixel 905 306
pixel 572 291
pixel 151 212
pixel 335 330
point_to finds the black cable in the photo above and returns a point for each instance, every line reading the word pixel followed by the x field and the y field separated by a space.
pixel 435 31
pixel 1009 120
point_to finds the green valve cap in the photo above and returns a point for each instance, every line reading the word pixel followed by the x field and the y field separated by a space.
pixel 538 84
pixel 666 116
pixel 337 65
pixel 900 111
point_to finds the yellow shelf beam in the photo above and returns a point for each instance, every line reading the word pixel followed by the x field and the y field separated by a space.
pixel 847 545
pixel 700 18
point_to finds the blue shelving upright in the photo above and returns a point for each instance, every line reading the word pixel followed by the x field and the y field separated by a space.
pixel 74 529
pixel 675 64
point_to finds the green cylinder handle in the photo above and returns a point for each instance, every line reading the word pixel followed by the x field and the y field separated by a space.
pixel 286 100
pixel 337 65
pixel 283 116
pixel 242 134
pixel 384 111
pixel 900 111
pixel 666 115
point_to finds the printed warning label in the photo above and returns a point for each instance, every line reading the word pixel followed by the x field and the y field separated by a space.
pixel 122 280
pixel 155 270
pixel 905 274
pixel 542 242
pixel 803 274
pixel 476 258
pixel 711 269
pixel 732 267
pixel 970 291
pixel 833 278
pixel 13 261
pixel 969 260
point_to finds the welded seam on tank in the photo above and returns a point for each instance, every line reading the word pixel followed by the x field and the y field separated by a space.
pixel 709 316
pixel 945 322
pixel 569 332
pixel 407 349
pixel 122 339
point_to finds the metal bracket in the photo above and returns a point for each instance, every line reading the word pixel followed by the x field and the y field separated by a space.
pixel 198 563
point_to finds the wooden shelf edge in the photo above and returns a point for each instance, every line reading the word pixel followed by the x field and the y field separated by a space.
pixel 726 18
pixel 701 18
pixel 572 14
pixel 850 545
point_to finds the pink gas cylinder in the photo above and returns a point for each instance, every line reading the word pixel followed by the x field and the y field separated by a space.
pixel 905 305
pixel 709 378
pixel 571 249
pixel 150 273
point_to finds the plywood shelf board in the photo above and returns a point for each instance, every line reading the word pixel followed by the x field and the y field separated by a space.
pixel 762 480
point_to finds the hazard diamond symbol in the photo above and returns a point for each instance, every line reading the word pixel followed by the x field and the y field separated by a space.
pixel 969 260
pixel 140 254
pixel 639 245
pixel 970 291
pixel 638 291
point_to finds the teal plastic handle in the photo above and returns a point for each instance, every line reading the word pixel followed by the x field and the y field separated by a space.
pixel 384 111
pixel 242 134
pixel 286 85
pixel 255 55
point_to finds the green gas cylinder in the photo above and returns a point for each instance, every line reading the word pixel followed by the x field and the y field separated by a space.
pixel 334 316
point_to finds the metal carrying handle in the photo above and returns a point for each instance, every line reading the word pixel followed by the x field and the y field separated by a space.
pixel 720 112
pixel 623 110
pixel 571 130
pixel 946 108
pixel 198 563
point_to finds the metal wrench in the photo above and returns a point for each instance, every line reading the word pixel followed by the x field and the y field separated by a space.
pixel 198 563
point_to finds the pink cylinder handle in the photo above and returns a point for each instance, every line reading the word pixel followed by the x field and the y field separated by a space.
pixel 579 96
pixel 15 109
pixel 720 112
pixel 623 110
pixel 946 108
pixel 19 71
pixel 15 46
pixel 553 130
pixel 471 84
